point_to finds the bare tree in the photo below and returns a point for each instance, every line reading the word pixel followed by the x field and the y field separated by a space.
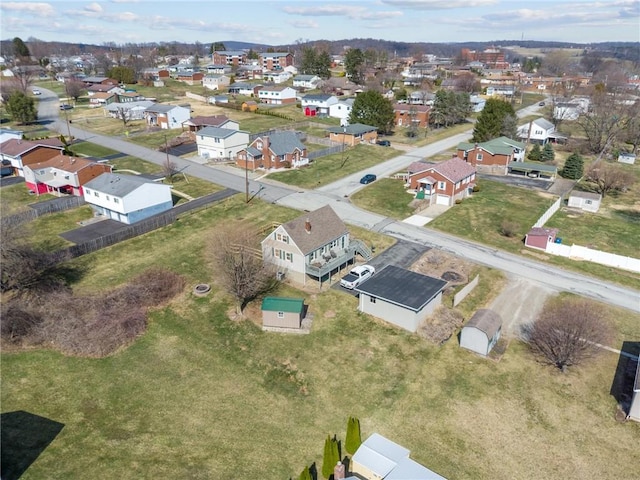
pixel 567 331
pixel 169 168
pixel 74 88
pixel 608 177
pixel 238 263
pixel 467 82
pixel 23 77
pixel 123 114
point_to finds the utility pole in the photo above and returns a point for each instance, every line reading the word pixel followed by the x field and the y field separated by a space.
pixel 246 179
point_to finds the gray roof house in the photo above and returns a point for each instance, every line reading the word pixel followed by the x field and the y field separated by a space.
pixel 481 332
pixel 315 244
pixel 167 116
pixel 386 296
pixel 379 458
pixel 274 151
pixel 221 143
pixel 127 198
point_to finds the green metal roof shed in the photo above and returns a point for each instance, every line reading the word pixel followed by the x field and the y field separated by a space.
pixel 281 312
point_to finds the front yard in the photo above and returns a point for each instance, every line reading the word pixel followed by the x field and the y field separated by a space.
pixel 200 395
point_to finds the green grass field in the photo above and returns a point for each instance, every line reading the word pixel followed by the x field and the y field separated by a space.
pixel 387 196
pixel 330 168
pixel 202 396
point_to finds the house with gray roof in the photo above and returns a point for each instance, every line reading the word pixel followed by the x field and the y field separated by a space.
pixel 167 116
pixel 353 134
pixel 379 458
pixel 314 245
pixel 540 131
pixel 132 110
pixel 493 156
pixel 127 198
pixel 275 150
pixel 342 110
pixel 317 104
pixel 481 332
pixel 306 81
pixel 400 297
pixel 221 143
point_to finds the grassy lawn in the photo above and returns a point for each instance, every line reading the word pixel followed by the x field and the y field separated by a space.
pixel 480 217
pixel 155 140
pixel 199 395
pixel 15 198
pixel 329 169
pixel 387 197
pixel 43 231
pixel 91 150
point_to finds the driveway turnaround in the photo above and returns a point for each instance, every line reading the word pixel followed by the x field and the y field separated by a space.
pixel 93 231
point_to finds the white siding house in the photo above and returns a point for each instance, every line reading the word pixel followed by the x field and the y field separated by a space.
pixel 342 110
pixel 215 81
pixel 387 297
pixel 167 116
pixel 306 81
pixel 127 198
pixel 277 95
pixel 218 143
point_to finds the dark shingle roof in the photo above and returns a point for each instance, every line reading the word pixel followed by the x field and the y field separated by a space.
pixel 325 227
pixel 402 287
pixel 217 132
pixel 282 143
pixel 455 169
pixel 353 129
pixel 485 320
pixel 14 146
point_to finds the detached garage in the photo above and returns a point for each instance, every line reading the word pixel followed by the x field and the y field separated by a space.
pixel 280 312
pixel 481 332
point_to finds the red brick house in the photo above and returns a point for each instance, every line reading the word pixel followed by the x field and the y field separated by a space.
pixel 230 57
pixel 63 174
pixel 408 115
pixel 27 152
pixel 275 60
pixel 493 156
pixel 276 150
pixel 191 78
pixel 442 183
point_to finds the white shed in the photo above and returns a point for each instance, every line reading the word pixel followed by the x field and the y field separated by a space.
pixel 481 332
pixel 587 201
pixel 634 409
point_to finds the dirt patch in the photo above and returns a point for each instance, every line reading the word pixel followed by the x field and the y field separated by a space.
pixel 439 264
pixel 441 325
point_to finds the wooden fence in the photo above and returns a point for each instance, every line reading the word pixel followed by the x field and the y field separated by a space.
pixel 39 209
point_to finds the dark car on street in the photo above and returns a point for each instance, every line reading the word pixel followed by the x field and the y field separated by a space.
pixel 66 106
pixel 384 143
pixel 368 178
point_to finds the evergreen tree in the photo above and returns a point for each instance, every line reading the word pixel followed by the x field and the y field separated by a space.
pixel 491 121
pixel 573 167
pixel 327 458
pixel 21 108
pixel 353 65
pixel 547 155
pixel 371 108
pixel 315 62
pixel 305 474
pixel 353 440
pixel 20 49
pixel 535 153
pixel 122 74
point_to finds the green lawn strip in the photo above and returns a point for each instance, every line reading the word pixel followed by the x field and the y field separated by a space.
pixel 480 216
pixel 155 140
pixel 330 168
pixel 44 230
pixel 135 164
pixel 91 150
pixel 387 197
pixel 261 123
pixel 192 186
pixel 16 198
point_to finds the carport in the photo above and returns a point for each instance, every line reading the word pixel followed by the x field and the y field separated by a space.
pixel 533 170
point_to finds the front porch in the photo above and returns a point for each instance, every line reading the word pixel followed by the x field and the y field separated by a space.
pixel 322 269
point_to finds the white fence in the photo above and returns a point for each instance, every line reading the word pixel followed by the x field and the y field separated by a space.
pixel 596 256
pixel 462 294
pixel 549 213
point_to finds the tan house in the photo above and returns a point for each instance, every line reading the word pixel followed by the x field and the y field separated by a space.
pixel 280 312
pixel 353 134
pixel 316 244
pixel 442 183
pixel 276 150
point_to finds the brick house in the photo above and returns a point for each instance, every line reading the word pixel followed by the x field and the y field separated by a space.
pixel 408 115
pixel 20 152
pixel 353 134
pixel 191 78
pixel 442 183
pixel 230 57
pixel 276 150
pixel 493 156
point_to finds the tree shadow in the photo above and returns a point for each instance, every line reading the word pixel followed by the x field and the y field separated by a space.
pixel 24 437
pixel 625 374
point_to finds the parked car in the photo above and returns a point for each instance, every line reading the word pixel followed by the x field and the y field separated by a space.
pixel 368 178
pixel 357 276
pixel 35 91
pixel 66 106
pixel 384 143
pixel 542 104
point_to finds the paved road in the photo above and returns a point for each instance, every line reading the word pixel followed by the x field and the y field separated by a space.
pixel 546 275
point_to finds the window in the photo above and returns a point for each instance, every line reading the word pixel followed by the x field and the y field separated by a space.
pixel 479 157
pixel 217 140
pixel 280 314
pixel 108 198
pixel 116 200
pixel 96 194
pixel 588 202
pixel 289 256
pixel 372 299
pixel 88 192
pixel 441 185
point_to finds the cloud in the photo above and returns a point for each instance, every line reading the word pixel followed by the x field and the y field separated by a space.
pixel 93 7
pixel 159 22
pixel 42 9
pixel 124 1
pixel 438 4
pixel 352 12
pixel 304 24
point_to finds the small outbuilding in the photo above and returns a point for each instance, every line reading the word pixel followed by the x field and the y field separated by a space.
pixel 628 158
pixel 481 332
pixel 587 201
pixel 401 297
pixel 540 237
pixel 634 410
pixel 281 312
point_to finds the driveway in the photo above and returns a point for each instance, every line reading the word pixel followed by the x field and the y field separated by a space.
pixel 93 231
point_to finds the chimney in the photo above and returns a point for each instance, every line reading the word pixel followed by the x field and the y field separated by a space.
pixel 307 226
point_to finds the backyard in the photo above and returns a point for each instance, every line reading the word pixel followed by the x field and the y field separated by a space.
pixel 200 396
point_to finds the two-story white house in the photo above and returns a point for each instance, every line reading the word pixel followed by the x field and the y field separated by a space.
pixel 277 76
pixel 539 131
pixel 316 244
pixel 277 95
pixel 221 143
pixel 317 104
pixel 167 116
pixel 342 110
pixel 216 81
pixel 127 198
pixel 306 81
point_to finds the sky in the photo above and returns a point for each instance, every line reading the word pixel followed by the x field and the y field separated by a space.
pixel 277 22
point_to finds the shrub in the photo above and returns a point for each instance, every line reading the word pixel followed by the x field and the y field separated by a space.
pixel 476 188
pixel 508 228
pixel 573 167
pixel 548 154
pixel 535 153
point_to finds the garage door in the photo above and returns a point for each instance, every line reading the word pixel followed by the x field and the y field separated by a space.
pixel 442 200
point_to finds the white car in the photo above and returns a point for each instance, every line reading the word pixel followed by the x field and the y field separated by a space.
pixel 357 276
pixel 35 91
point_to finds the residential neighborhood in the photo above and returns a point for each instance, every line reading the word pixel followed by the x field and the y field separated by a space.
pixel 217 251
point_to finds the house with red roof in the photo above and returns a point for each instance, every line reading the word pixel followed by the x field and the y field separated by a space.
pixel 20 152
pixel 442 183
pixel 62 175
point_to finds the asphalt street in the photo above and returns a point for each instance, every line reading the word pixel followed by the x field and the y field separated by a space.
pixel 337 193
